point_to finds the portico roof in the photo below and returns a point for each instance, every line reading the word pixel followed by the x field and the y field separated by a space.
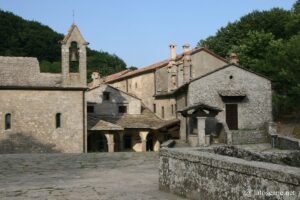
pixel 145 120
pixel 232 93
pixel 199 106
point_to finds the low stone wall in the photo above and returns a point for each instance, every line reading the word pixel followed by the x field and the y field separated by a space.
pixel 249 137
pixel 198 174
pixel 283 142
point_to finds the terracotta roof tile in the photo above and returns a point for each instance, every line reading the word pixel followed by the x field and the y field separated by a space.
pixel 163 63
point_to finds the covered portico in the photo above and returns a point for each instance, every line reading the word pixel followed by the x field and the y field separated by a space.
pixel 199 118
pixel 138 133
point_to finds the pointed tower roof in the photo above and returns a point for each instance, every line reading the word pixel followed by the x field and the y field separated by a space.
pixel 71 31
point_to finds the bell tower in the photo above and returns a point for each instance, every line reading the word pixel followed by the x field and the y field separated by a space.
pixel 73 51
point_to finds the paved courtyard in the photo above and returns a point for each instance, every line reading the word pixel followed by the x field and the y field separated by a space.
pixel 80 176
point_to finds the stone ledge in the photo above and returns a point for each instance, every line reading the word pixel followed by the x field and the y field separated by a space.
pixel 275 172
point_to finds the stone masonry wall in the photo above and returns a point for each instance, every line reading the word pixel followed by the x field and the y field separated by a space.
pixel 198 174
pixel 33 127
pixel 253 111
pixel 249 137
pixel 111 106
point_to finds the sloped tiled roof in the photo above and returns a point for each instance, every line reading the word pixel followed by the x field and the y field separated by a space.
pixel 25 71
pixel 146 120
pixel 160 64
pixel 94 124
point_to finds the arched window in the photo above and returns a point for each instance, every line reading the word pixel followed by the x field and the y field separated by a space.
pixel 74 57
pixel 7 121
pixel 58 120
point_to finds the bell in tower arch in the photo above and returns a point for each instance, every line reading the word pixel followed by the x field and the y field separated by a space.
pixel 74 54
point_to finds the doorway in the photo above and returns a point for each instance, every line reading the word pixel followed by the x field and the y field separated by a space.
pixel 232 116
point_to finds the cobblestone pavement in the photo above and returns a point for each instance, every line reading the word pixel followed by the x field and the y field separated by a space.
pixel 80 176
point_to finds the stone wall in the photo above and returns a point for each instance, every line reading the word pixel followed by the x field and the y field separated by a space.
pixel 249 137
pixel 198 174
pixel 141 85
pixel 33 126
pixel 284 142
pixel 117 98
pixel 203 62
pixel 256 108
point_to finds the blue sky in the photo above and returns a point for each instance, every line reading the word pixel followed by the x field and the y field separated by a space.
pixel 139 31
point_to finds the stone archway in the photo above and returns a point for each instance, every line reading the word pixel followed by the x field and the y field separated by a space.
pixel 150 142
pixel 97 142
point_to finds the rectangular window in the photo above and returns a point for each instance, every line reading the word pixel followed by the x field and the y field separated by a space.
pixel 122 109
pixel 162 112
pixel 154 108
pixel 90 109
pixel 7 121
pixel 58 120
pixel 106 96
pixel 172 108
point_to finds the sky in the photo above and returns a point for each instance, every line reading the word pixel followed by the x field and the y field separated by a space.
pixel 139 31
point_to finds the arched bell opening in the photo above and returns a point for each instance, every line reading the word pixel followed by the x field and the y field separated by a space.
pixel 74 57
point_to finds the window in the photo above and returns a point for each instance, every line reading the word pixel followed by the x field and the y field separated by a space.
pixel 136 86
pixel 122 109
pixel 106 96
pixel 90 109
pixel 172 108
pixel 162 112
pixel 154 108
pixel 7 121
pixel 58 120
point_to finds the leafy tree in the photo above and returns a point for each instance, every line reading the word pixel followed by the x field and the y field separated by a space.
pixel 19 37
pixel 267 42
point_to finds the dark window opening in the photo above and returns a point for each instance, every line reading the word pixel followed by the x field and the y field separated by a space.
pixel 136 85
pixel 172 108
pixel 58 120
pixel 106 96
pixel 90 109
pixel 74 57
pixel 122 109
pixel 154 108
pixel 7 121
pixel 162 112
pixel 231 77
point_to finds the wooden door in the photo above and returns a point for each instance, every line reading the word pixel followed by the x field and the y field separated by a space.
pixel 232 116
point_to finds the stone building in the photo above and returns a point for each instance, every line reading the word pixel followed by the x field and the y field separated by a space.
pixel 215 100
pixel 118 121
pixel 43 112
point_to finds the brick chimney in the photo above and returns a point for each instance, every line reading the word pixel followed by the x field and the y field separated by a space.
pixel 233 59
pixel 96 79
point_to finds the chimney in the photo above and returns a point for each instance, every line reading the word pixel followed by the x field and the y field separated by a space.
pixel 186 48
pixel 233 59
pixel 96 79
pixel 172 52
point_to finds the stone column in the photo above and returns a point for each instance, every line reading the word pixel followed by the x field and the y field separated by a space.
pixel 110 142
pixel 143 135
pixel 183 128
pixel 201 130
pixel 156 145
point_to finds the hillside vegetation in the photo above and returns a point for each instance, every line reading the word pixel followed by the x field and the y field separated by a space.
pixel 20 37
pixel 267 42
